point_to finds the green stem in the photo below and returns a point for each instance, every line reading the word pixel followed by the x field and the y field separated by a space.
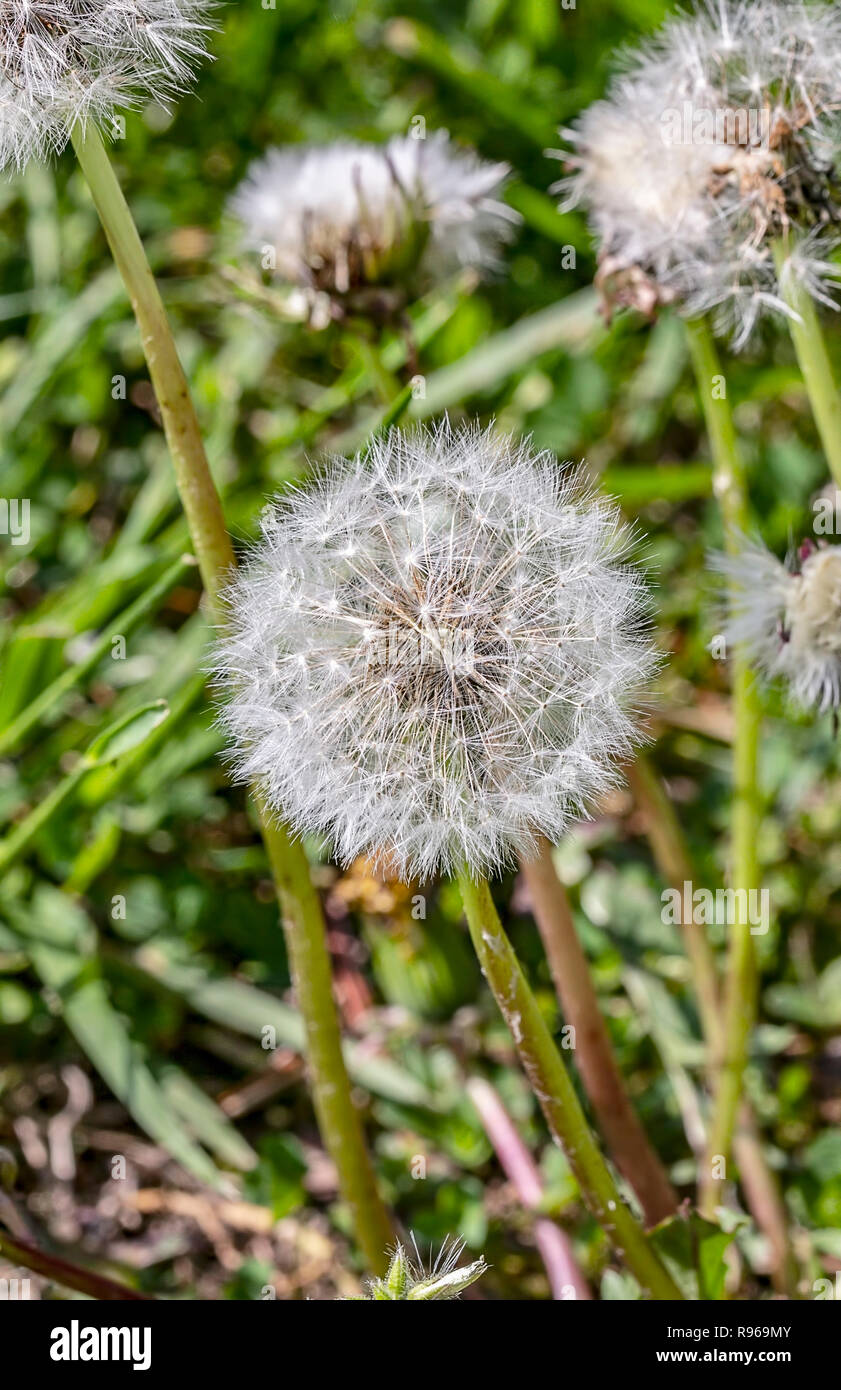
pixel 197 489
pixel 554 1090
pixel 813 359
pixel 337 1116
pixel 300 906
pixel 740 990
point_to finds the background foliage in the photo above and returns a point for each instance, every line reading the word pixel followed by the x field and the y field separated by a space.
pixel 141 958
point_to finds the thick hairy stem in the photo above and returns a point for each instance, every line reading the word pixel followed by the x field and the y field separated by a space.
pixel 594 1056
pixel 555 1092
pixel 300 907
pixel 740 984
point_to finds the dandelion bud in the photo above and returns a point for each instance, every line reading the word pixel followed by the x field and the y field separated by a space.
pixel 787 618
pixel 719 137
pixel 435 651
pixel 407 1280
pixel 351 223
pixel 69 61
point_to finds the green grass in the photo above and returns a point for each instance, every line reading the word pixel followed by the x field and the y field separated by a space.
pixel 139 939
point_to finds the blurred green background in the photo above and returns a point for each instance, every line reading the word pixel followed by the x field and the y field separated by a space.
pixel 141 959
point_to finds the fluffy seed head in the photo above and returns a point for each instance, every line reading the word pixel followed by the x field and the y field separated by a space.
pixel 434 652
pixel 340 220
pixel 63 61
pixel 787 617
pixel 721 135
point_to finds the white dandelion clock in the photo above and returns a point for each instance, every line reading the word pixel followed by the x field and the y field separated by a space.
pixel 787 618
pixel 435 653
pixel 347 220
pixel 720 137
pixel 64 62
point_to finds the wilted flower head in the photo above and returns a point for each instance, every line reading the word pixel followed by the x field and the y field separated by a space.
pixel 341 220
pixel 69 61
pixel 408 1281
pixel 434 651
pixel 787 617
pixel 721 136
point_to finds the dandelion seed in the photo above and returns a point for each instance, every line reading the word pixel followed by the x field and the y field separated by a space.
pixel 787 618
pixel 64 62
pixel 351 223
pixel 720 135
pixel 470 725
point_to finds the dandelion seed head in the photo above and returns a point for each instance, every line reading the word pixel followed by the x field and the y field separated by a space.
pixel 477 701
pixel 646 195
pixel 719 136
pixel 348 217
pixel 69 61
pixel 787 618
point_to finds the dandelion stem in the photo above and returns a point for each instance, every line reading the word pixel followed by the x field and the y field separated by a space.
pixel 303 919
pixel 594 1054
pixel 338 1118
pixel 197 489
pixel 740 988
pixel 555 1092
pixel 813 359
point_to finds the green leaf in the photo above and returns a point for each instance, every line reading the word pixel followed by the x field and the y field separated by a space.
pixel 816 1004
pixel 694 1250
pixel 823 1156
pixel 204 1118
pixel 124 624
pixel 572 326
pixel 68 326
pixel 126 734
pixel 277 1182
pixel 466 71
